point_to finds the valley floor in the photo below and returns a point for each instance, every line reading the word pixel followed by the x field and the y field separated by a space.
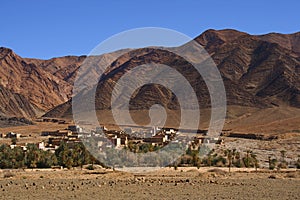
pixel 166 183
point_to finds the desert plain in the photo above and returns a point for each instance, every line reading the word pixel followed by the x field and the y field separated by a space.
pixel 165 183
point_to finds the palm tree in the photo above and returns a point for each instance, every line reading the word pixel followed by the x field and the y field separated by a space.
pixel 229 154
pixel 254 158
pixel 248 160
pixel 32 156
pixel 283 153
pixel 283 163
pixel 63 153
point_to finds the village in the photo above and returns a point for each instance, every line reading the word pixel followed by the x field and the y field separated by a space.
pixel 59 136
pixel 141 139
pixel 107 138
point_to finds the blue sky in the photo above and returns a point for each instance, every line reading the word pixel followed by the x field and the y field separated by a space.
pixel 45 29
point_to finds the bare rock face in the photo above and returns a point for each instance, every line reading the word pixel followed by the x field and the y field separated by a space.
pixel 265 66
pixel 13 104
pixel 63 68
pixel 287 41
pixel 258 71
pixel 35 82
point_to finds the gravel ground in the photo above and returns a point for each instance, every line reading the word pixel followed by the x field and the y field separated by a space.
pixel 184 183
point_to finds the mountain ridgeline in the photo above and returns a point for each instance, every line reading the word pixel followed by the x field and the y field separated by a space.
pixel 259 71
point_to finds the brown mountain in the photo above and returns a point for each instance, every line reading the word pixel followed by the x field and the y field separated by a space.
pixel 288 41
pixel 13 104
pixel 63 67
pixel 264 66
pixel 258 71
pixel 34 84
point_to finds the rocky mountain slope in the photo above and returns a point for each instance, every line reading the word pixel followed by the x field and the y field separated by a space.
pixel 15 104
pixel 33 86
pixel 265 66
pixel 259 71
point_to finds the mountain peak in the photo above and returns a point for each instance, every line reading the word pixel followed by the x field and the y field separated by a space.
pixel 224 34
pixel 5 51
pixel 213 39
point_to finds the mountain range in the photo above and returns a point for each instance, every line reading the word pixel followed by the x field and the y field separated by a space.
pixel 259 71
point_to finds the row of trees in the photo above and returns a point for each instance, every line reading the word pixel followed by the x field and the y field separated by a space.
pixel 230 158
pixel 205 157
pixel 141 148
pixel 77 156
pixel 281 163
pixel 36 158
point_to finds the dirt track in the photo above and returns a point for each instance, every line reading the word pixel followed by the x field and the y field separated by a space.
pixel 187 183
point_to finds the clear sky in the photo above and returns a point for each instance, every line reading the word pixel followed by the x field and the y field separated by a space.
pixel 51 28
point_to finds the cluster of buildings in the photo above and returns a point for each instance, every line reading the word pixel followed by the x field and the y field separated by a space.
pixel 137 135
pixel 52 139
pixel 10 135
pixel 130 135
pixel 69 135
pixel 147 135
pixel 117 139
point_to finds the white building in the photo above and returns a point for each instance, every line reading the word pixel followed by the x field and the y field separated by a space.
pixel 42 145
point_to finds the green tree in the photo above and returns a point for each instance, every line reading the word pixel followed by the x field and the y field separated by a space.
pixel 230 155
pixel 32 156
pixel 283 163
pixel 272 163
pixel 63 153
pixel 254 160
pixel 247 159
pixel 6 157
pixel 80 155
pixel 46 159
pixel 18 158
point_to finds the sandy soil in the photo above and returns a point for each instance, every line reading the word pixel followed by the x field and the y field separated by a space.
pixel 34 130
pixel 167 183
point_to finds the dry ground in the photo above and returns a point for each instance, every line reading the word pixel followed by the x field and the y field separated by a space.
pixel 263 149
pixel 184 183
pixel 31 133
pixel 276 120
pixel 34 130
